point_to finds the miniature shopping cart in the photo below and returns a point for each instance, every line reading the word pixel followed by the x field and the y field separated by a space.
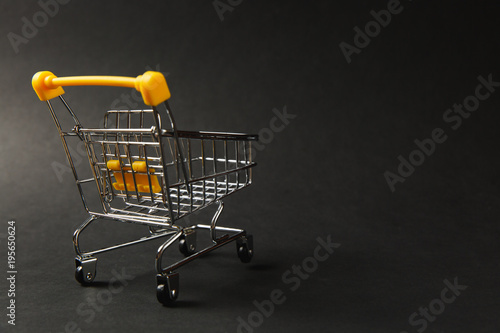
pixel 146 171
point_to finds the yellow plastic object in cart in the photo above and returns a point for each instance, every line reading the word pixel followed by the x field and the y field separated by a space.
pixel 140 174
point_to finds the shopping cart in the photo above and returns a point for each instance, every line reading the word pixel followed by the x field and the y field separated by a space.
pixel 146 171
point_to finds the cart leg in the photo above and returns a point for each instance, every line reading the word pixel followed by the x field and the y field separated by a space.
pixel 167 289
pixel 244 248
pixel 85 270
pixel 76 234
pixel 85 265
pixel 162 248
pixel 213 224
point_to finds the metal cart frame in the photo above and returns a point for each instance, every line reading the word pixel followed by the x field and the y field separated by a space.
pixel 151 174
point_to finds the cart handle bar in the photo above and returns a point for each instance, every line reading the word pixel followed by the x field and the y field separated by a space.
pixel 152 85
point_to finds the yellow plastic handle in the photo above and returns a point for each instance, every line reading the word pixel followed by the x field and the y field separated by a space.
pixel 152 85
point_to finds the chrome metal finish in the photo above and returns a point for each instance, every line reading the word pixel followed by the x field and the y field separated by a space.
pixel 161 250
pixel 237 233
pixel 194 169
pixel 214 222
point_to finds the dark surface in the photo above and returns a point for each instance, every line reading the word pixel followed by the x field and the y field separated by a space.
pixel 322 175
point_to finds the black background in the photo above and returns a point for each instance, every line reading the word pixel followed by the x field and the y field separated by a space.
pixel 322 175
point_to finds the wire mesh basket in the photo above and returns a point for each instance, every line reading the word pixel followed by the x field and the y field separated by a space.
pixel 148 172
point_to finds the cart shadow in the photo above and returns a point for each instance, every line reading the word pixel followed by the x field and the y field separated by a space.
pixel 263 267
pixel 98 284
pixel 186 304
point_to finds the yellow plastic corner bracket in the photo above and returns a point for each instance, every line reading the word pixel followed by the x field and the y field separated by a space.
pixel 43 91
pixel 153 88
pixel 152 85
pixel 141 177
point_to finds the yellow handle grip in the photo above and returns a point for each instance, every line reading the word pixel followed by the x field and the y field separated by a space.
pixel 152 85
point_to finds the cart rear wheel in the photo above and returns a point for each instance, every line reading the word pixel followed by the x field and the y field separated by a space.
pixel 167 289
pixel 244 247
pixel 165 296
pixel 79 276
pixel 85 270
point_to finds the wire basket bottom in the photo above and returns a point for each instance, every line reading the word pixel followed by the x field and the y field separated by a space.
pixel 203 193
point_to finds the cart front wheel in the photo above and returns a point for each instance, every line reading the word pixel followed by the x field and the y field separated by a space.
pixel 185 248
pixel 244 246
pixel 187 244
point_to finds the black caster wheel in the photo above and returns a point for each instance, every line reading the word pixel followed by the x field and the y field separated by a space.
pixel 165 296
pixel 84 280
pixel 167 289
pixel 85 270
pixel 79 275
pixel 187 244
pixel 244 246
